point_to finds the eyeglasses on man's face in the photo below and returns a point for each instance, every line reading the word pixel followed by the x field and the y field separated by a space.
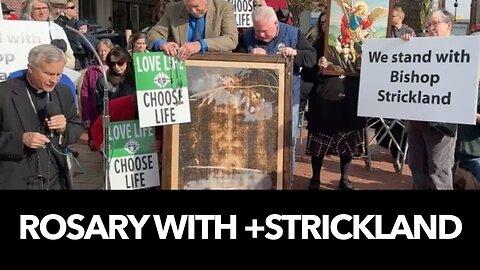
pixel 434 23
pixel 38 9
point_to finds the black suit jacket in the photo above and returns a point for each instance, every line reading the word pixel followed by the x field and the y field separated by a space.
pixel 18 116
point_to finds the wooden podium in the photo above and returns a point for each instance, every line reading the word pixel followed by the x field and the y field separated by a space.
pixel 239 136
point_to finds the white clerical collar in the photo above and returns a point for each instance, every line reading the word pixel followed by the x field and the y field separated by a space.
pixel 38 91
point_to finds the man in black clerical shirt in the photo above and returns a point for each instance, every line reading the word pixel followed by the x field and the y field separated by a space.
pixel 32 131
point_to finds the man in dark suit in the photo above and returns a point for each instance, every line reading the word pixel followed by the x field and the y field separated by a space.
pixel 37 120
pixel 192 26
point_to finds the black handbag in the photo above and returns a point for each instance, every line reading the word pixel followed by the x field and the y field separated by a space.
pixel 446 129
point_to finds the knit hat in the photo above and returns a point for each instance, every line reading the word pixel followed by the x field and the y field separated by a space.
pixel 80 23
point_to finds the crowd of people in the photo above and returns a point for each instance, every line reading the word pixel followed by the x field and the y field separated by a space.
pixel 181 29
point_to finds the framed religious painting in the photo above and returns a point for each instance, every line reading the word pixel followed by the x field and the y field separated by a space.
pixel 350 23
pixel 239 134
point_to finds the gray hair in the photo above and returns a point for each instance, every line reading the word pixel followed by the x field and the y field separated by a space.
pixel 264 12
pixel 46 53
pixel 105 41
pixel 446 15
pixel 399 9
pixel 28 8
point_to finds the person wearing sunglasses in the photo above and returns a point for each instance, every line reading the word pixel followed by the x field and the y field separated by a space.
pixel 120 76
pixel 42 11
pixel 68 16
pixel 67 12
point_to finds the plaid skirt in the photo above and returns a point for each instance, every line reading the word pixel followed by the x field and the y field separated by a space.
pixel 351 143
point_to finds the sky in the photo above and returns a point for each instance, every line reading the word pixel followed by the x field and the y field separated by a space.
pixel 463 9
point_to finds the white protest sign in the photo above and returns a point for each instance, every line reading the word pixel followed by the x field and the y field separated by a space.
pixel 17 38
pixel 425 79
pixel 243 12
pixel 162 91
pixel 133 163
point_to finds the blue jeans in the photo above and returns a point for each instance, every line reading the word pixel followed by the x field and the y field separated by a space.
pixel 471 163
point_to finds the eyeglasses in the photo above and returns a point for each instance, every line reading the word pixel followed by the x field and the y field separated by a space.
pixel 434 24
pixel 71 7
pixel 118 63
pixel 38 9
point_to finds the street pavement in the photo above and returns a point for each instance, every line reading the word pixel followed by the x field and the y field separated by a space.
pixel 381 177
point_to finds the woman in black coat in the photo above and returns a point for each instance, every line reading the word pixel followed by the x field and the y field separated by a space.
pixel 120 77
pixel 333 125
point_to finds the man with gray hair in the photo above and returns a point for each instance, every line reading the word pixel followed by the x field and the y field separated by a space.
pixel 431 144
pixel 398 27
pixel 43 11
pixel 37 120
pixel 269 36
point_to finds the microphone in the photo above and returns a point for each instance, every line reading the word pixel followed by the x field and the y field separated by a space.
pixel 52 109
pixel 106 100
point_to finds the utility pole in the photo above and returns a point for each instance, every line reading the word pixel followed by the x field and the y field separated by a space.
pixel 455 5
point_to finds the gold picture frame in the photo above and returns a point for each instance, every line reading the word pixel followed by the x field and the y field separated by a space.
pixel 240 129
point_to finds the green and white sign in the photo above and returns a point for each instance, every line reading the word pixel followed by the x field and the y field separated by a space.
pixel 133 163
pixel 162 92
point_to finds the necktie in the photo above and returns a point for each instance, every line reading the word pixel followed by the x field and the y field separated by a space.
pixel 198 31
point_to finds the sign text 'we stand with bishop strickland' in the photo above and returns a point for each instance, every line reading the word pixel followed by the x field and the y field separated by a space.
pixel 411 76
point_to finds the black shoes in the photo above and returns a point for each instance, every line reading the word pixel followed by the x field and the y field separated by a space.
pixel 314 184
pixel 345 184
